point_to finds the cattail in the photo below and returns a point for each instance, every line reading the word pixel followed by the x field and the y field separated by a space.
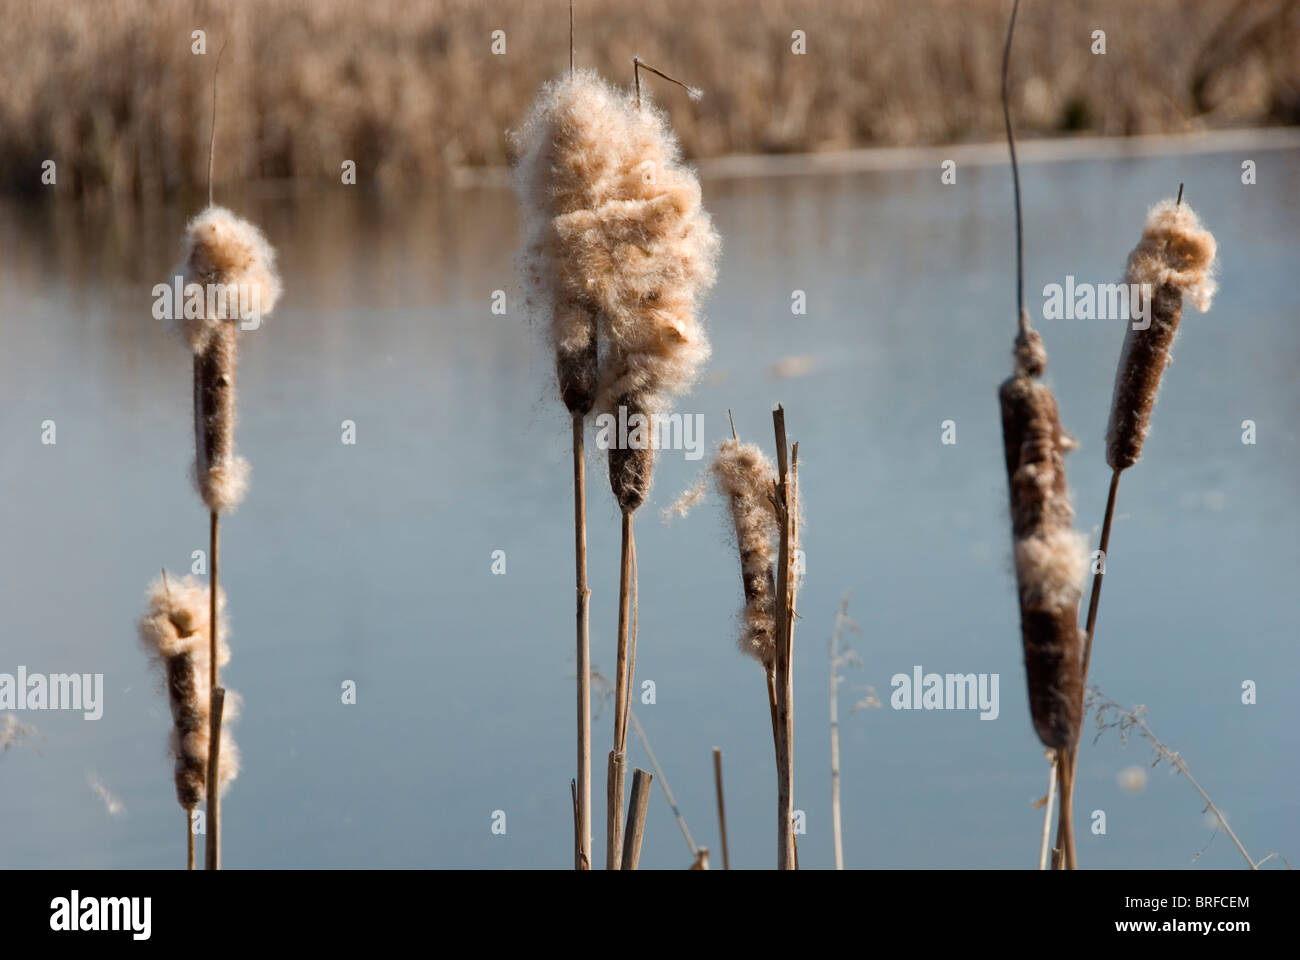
pixel 1050 556
pixel 616 232
pixel 174 631
pixel 1174 259
pixel 745 477
pixel 566 162
pixel 233 264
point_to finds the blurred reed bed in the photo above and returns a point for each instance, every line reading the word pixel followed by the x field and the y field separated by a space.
pixel 111 91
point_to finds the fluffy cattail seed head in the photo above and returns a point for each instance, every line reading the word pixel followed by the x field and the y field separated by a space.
pixel 175 632
pixel 746 478
pixel 225 250
pixel 1175 260
pixel 566 160
pixel 1050 558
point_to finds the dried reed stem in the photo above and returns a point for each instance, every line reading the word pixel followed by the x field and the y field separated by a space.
pixel 783 681
pixel 622 685
pixel 1047 813
pixel 636 808
pixel 582 840
pixel 722 808
pixel 189 840
pixel 212 847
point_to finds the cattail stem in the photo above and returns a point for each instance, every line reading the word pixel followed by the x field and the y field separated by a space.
pixel 636 808
pixel 781 672
pixel 189 839
pixel 1065 855
pixel 582 856
pixel 722 808
pixel 1015 174
pixel 212 840
pixel 212 847
pixel 1047 813
pixel 1065 833
pixel 1095 599
pixel 617 757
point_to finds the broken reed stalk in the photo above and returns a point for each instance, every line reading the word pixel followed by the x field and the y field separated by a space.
pixel 722 808
pixel 636 809
pixel 1174 258
pixel 663 783
pixel 783 681
pixel 1047 812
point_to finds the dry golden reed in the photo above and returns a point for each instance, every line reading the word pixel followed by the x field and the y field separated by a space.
pixel 174 631
pixel 1175 259
pixel 222 250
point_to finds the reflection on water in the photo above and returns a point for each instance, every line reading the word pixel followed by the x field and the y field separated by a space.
pixel 373 562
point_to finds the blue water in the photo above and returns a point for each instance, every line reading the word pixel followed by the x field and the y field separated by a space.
pixel 373 562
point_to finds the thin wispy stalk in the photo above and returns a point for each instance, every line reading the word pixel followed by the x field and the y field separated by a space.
pixel 1127 720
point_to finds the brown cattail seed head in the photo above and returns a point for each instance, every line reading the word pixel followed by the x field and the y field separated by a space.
pixel 1174 259
pixel 631 467
pixel 1050 558
pixel 174 631
pixel 220 477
